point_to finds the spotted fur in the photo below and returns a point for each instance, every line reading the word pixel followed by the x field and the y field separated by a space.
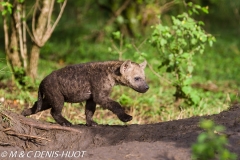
pixel 91 82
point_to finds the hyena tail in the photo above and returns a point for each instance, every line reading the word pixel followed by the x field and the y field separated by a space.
pixel 36 107
pixel 39 102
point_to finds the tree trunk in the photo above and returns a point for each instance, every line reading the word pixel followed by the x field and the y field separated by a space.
pixel 33 62
pixel 38 35
pixel 12 49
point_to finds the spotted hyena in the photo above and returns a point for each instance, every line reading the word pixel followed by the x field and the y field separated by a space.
pixel 91 82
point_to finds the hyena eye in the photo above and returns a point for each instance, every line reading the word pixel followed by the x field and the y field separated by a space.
pixel 137 78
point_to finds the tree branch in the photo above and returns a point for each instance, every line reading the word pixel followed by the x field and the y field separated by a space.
pixel 50 14
pixel 59 16
pixel 6 36
pixel 36 40
pixel 29 32
pixel 112 19
pixel 118 12
pixel 20 33
pixel 49 30
pixel 24 32
pixel 167 6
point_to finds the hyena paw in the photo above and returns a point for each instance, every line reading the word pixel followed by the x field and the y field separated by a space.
pixel 26 112
pixel 125 117
pixel 91 123
pixel 65 123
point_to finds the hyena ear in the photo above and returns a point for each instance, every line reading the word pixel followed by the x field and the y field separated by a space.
pixel 143 64
pixel 125 66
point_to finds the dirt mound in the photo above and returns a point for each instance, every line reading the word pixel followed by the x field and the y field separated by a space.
pixel 26 138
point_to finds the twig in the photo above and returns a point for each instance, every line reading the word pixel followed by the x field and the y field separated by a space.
pixel 59 16
pixel 167 6
pixel 9 117
pixel 5 144
pixel 137 48
pixel 23 135
pixel 118 12
pixel 30 34
pixel 28 136
pixel 50 14
pixel 112 19
pixel 33 9
pixel 154 72
pixel 150 67
pixel 7 129
pixel 120 51
pixel 3 69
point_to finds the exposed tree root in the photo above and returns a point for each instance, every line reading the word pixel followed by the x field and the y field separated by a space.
pixel 25 135
pixel 49 127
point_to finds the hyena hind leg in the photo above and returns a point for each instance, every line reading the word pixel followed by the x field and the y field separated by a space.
pixel 56 114
pixel 89 112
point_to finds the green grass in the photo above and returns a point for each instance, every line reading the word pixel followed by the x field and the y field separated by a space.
pixel 220 63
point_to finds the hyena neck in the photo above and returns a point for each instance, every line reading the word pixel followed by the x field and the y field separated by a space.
pixel 118 78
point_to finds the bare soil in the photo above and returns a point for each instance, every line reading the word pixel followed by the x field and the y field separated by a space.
pixel 162 141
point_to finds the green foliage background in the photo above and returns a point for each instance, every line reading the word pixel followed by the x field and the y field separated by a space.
pixel 82 35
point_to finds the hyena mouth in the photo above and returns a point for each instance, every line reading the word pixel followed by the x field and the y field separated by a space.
pixel 141 89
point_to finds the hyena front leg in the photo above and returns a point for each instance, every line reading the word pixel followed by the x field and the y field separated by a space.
pixel 115 107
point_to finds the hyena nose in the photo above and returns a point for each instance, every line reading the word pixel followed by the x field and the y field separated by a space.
pixel 146 87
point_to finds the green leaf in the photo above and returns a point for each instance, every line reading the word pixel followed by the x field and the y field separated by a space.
pixel 125 100
pixel 143 54
pixel 197 6
pixel 195 98
pixel 219 128
pixel 193 41
pixel 128 45
pixel 210 43
pixel 7 8
pixel 205 10
pixel 186 89
pixel 4 12
pixel 116 35
pixel 60 1
pixel 201 23
pixel 163 42
pixel 206 124
pixel 203 38
pixel 110 49
pixel 190 69
pixel 190 4
pixel 202 137
pixel 187 82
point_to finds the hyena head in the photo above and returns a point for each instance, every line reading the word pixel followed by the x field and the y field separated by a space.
pixel 133 76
